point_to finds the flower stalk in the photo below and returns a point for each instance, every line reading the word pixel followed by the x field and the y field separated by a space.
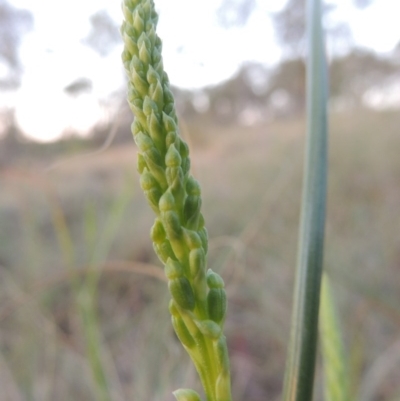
pixel 198 304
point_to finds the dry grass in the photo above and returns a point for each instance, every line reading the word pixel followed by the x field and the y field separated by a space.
pixel 251 180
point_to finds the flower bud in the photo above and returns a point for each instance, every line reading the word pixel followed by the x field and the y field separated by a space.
pixel 146 10
pixel 141 85
pixel 144 39
pixel 173 269
pixel 193 187
pixel 157 95
pixel 214 280
pixel 192 239
pixel 186 166
pixel 144 54
pixel 137 65
pixel 172 226
pixel 151 157
pixel 130 45
pixel 147 181
pixel 143 141
pixel 152 75
pixel 168 96
pixel 151 34
pixel 126 59
pixel 155 130
pixel 204 237
pixel 173 309
pixel 169 109
pixel 171 138
pixel 216 304
pixel 169 123
pixel 209 328
pixel 136 127
pixel 172 158
pixel 138 22
pixel 149 106
pixel 174 176
pixel 164 250
pixel 201 222
pixel 158 63
pixel 191 212
pixel 222 350
pixel 157 232
pixel 182 332
pixel 153 197
pixel 141 163
pixel 167 202
pixel 182 293
pixel 139 115
pixel 184 149
pixel 197 262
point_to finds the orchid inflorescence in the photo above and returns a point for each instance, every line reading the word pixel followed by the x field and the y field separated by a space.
pixel 198 304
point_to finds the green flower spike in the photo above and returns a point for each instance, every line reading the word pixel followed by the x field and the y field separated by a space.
pixel 198 304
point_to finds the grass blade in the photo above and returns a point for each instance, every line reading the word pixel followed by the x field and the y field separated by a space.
pixel 299 375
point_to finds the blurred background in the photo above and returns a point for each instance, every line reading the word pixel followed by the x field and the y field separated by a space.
pixel 83 301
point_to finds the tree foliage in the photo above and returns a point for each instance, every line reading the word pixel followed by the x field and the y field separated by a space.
pixel 235 12
pixel 104 34
pixel 14 23
pixel 290 25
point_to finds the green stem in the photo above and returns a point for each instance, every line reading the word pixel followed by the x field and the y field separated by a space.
pixel 299 375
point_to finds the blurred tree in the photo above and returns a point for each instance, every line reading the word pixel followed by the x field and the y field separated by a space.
pixel 78 86
pixel 14 23
pixel 362 3
pixel 104 34
pixel 235 12
pixel 352 75
pixel 289 79
pixel 246 90
pixel 290 26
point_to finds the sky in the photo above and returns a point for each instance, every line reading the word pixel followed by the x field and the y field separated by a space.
pixel 197 51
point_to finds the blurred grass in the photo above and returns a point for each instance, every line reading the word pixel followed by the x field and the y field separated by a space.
pixel 251 180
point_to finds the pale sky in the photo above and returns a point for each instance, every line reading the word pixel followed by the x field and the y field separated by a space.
pixel 196 50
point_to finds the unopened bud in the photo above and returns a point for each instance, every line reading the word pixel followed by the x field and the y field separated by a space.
pixel 173 269
pixel 182 332
pixel 138 22
pixel 197 262
pixel 172 225
pixel 182 293
pixel 169 123
pixel 214 280
pixel 144 54
pixel 147 181
pixel 209 328
pixel 167 202
pixel 216 304
pixel 157 232
pixel 172 158
pixel 192 239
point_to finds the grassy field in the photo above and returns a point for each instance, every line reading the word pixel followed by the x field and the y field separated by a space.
pixel 81 228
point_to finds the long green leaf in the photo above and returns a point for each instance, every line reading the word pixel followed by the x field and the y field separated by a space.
pixel 299 375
